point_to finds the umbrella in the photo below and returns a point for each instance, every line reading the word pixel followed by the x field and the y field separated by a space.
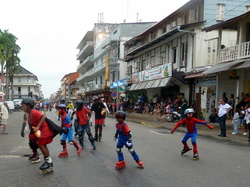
pixel 1 93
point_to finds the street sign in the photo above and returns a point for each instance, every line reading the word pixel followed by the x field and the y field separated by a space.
pixel 114 94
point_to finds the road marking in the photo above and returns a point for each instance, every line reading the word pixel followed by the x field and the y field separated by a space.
pixel 158 133
pixel 156 126
pixel 11 156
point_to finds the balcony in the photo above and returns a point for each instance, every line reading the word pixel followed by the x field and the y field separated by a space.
pixel 237 52
pixel 89 58
pixel 87 49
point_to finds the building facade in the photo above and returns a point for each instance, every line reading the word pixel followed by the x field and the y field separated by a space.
pixel 169 58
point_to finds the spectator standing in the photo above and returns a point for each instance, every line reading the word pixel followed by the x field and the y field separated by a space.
pixel 236 121
pixel 241 117
pixel 5 116
pixel 246 121
pixel 231 102
pixel 224 96
pixel 223 109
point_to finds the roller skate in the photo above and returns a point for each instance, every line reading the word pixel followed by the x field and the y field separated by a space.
pixel 100 137
pixel 196 156
pixel 96 137
pixel 139 162
pixel 79 150
pixel 185 149
pixel 34 158
pixel 94 146
pixel 63 153
pixel 120 165
pixel 46 167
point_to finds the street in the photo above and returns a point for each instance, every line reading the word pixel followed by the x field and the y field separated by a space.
pixel 221 164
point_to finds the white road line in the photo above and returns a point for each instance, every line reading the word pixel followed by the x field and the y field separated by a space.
pixel 158 133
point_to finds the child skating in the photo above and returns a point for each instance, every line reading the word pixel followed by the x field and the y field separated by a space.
pixel 37 123
pixel 68 132
pixel 124 136
pixel 190 123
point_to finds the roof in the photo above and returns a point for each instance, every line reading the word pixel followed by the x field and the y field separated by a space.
pixel 24 71
pixel 230 23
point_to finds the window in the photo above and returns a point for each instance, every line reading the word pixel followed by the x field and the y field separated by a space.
pixel 28 79
pixel 183 62
pixel 28 89
pixel 100 79
pixel 19 79
pixel 174 59
pixel 19 90
pixel 173 24
pixel 220 12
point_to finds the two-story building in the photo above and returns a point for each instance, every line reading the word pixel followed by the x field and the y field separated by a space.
pixel 232 69
pixel 101 57
pixel 169 57
pixel 25 84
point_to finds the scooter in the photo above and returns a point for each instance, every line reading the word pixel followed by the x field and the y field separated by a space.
pixel 175 116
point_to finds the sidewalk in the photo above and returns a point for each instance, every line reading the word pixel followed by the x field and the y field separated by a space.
pixel 146 119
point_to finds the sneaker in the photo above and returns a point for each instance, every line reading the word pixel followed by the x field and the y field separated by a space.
pixel 244 134
pixel 234 133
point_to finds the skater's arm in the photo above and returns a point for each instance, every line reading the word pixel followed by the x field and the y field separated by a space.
pixel 203 123
pixel 72 115
pixel 40 123
pixel 183 121
pixel 24 124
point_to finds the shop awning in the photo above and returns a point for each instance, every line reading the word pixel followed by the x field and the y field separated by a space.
pixel 137 87
pixel 149 84
pixel 245 64
pixel 156 83
pixel 132 87
pixel 143 85
pixel 164 82
pixel 223 67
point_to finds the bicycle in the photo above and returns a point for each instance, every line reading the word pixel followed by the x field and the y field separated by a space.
pixel 162 116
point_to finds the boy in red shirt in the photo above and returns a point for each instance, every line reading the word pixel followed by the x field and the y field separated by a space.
pixel 124 136
pixel 37 123
pixel 83 114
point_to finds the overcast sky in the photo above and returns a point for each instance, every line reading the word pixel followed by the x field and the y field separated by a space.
pixel 49 31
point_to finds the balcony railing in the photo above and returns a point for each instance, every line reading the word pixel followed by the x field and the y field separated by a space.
pixel 235 53
pixel 85 61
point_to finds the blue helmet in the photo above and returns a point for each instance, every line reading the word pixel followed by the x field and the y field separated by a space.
pixel 62 106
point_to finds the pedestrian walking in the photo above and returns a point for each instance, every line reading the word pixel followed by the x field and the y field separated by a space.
pixel 190 123
pixel 223 109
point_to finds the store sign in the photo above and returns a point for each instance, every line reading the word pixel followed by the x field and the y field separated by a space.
pixel 153 73
pixel 207 81
pixel 120 82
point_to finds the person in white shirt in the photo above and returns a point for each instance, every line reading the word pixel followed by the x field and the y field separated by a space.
pixel 223 109
pixel 5 116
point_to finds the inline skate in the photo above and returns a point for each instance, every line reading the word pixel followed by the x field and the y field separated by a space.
pixel 185 149
pixel 196 156
pixel 46 167
pixel 79 150
pixel 35 158
pixel 63 153
pixel 120 164
pixel 140 163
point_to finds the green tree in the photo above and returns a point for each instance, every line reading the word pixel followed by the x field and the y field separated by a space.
pixel 9 58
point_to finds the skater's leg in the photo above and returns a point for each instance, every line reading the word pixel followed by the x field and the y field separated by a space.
pixel 44 150
pixel 193 140
pixel 185 139
pixel 100 132
pixel 34 158
pixel 119 147
pixel 91 138
pixel 81 135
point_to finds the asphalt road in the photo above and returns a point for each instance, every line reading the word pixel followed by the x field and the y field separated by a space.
pixel 221 164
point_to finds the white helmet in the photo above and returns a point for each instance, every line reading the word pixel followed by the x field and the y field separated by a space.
pixel 94 98
pixel 189 110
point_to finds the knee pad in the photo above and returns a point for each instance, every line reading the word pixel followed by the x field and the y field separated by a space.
pixel 71 143
pixel 131 150
pixel 118 150
pixel 63 142
pixel 33 145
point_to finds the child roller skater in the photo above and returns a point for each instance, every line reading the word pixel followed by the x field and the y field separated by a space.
pixel 124 136
pixel 37 123
pixel 190 123
pixel 82 115
pixel 68 132
pixel 34 157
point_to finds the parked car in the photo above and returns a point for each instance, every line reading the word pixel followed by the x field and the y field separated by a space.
pixel 17 104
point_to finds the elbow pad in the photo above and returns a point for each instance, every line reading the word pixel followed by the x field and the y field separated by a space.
pixel 129 135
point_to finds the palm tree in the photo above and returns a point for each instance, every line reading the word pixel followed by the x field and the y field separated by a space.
pixel 8 57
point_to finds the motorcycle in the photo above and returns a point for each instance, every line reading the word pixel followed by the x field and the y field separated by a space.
pixel 173 117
